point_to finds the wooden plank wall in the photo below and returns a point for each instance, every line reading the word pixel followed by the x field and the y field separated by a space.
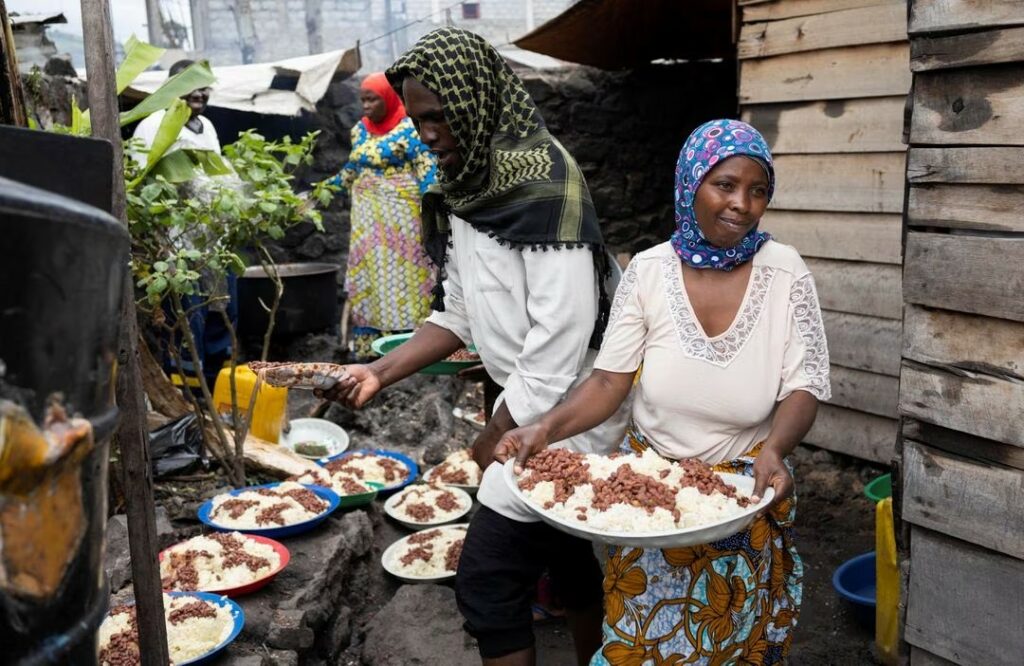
pixel 962 379
pixel 826 83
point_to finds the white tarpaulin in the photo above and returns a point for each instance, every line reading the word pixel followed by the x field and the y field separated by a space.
pixel 44 19
pixel 247 87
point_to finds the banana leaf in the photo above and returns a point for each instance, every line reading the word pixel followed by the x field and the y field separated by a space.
pixel 138 57
pixel 170 126
pixel 80 125
pixel 179 166
pixel 212 163
pixel 196 75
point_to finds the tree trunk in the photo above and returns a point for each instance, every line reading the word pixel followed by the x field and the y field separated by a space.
pixel 12 95
pixel 163 395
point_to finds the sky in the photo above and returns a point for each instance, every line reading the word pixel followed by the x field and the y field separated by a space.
pixel 129 16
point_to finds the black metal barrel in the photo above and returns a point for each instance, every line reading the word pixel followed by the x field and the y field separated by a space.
pixel 62 264
pixel 309 303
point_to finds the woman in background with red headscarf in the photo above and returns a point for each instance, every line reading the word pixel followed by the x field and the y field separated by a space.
pixel 388 280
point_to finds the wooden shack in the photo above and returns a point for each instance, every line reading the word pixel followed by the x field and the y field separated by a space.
pixel 962 375
pixel 826 83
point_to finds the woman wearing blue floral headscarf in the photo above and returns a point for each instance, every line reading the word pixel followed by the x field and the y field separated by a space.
pixel 726 324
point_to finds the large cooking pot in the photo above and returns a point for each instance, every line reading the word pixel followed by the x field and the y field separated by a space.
pixel 61 265
pixel 309 303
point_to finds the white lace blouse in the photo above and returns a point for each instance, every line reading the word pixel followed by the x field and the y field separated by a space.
pixel 713 398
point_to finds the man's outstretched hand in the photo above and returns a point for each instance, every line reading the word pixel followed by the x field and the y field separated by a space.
pixel 354 390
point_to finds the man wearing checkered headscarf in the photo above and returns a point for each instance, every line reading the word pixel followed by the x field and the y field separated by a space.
pixel 516 182
pixel 512 225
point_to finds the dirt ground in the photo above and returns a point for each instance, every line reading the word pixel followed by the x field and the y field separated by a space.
pixel 835 521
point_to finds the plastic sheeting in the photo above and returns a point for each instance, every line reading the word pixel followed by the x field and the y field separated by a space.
pixel 284 88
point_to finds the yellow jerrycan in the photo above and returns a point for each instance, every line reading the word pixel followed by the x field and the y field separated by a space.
pixel 269 410
pixel 887 631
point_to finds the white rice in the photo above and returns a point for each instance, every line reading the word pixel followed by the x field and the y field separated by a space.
pixel 459 460
pixel 332 480
pixel 373 471
pixel 186 640
pixel 114 624
pixel 196 635
pixel 295 513
pixel 422 493
pixel 438 547
pixel 695 508
pixel 213 574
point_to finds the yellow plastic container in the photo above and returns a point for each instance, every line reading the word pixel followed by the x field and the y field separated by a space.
pixel 887 630
pixel 269 410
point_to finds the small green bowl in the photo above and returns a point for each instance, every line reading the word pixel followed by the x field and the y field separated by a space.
pixel 362 499
pixel 388 343
pixel 880 488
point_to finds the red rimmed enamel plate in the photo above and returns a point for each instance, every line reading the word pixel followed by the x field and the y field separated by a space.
pixel 251 586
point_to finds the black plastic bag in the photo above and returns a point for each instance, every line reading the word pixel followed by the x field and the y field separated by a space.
pixel 175 448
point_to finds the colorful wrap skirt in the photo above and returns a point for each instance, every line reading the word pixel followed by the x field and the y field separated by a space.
pixel 389 279
pixel 733 601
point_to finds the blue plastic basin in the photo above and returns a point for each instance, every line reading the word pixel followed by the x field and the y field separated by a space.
pixel 855 581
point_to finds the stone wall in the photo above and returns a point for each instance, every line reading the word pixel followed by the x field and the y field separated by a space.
pixel 281 29
pixel 49 91
pixel 625 130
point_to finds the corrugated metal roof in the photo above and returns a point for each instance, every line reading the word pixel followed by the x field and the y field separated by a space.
pixel 616 34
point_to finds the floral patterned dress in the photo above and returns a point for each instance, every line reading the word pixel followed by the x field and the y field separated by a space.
pixel 733 601
pixel 388 280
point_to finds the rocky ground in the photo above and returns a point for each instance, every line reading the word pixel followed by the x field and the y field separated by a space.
pixel 335 605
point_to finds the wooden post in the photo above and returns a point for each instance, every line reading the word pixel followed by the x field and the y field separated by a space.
pixel 12 97
pixel 132 431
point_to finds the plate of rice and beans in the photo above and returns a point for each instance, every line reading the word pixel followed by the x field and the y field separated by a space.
pixel 390 469
pixel 425 505
pixel 427 556
pixel 351 490
pixel 458 470
pixel 228 563
pixel 635 500
pixel 272 510
pixel 199 625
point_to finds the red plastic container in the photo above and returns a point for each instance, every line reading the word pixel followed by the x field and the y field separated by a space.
pixel 248 588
